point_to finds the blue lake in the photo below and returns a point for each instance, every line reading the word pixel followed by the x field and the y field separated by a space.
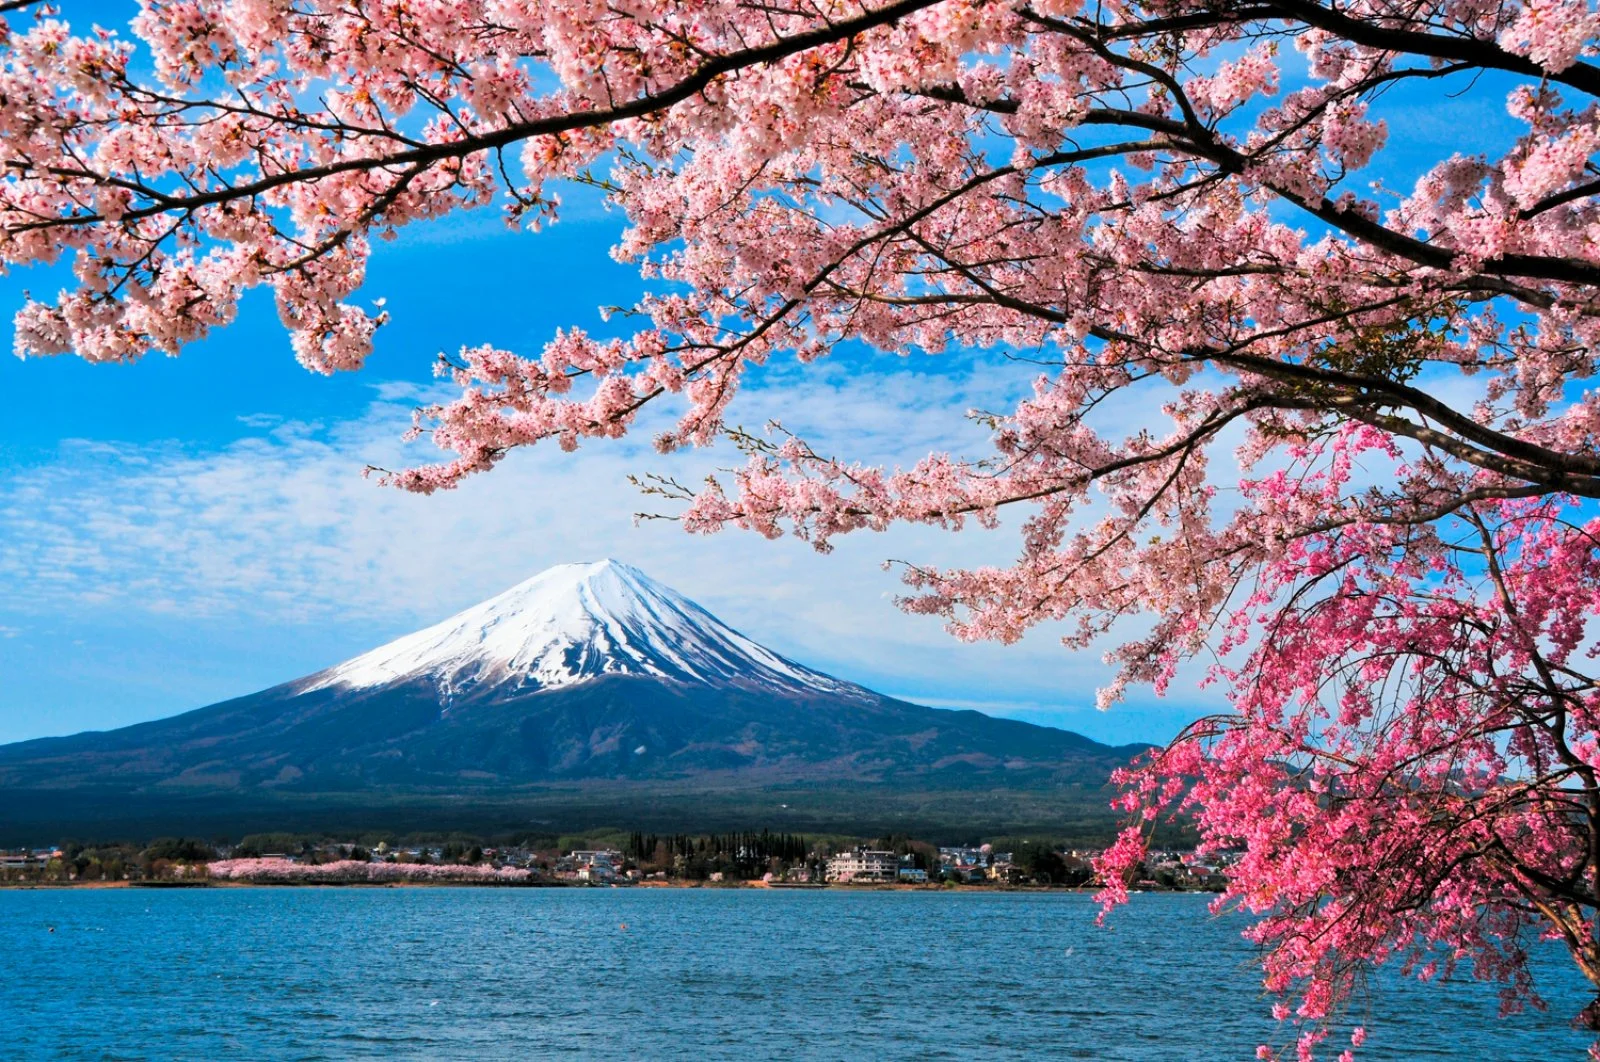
pixel 444 973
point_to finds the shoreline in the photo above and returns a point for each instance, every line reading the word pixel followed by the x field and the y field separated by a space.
pixel 747 886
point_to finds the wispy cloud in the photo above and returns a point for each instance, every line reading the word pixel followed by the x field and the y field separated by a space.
pixel 281 529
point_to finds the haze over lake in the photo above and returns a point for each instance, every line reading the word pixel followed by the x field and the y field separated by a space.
pixel 445 973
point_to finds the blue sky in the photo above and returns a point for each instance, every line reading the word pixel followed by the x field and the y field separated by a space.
pixel 187 529
pixel 183 530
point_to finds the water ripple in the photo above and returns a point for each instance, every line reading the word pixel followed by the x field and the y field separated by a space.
pixel 437 973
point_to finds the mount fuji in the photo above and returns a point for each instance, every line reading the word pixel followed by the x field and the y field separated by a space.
pixel 586 681
pixel 575 623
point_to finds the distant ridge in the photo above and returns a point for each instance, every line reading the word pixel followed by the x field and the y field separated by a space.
pixel 590 685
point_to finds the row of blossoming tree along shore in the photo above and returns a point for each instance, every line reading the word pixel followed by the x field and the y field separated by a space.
pixel 1360 489
pixel 357 871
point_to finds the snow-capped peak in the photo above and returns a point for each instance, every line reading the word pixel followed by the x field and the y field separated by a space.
pixel 574 623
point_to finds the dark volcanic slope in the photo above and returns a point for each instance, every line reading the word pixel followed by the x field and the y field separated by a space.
pixel 623 727
pixel 586 673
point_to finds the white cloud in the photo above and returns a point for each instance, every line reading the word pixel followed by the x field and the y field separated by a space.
pixel 280 529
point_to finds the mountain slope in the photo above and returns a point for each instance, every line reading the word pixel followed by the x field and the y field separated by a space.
pixel 576 622
pixel 586 675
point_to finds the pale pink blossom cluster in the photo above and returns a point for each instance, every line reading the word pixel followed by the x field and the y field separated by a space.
pixel 356 872
pixel 1149 201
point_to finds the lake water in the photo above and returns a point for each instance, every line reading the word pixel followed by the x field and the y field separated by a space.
pixel 444 973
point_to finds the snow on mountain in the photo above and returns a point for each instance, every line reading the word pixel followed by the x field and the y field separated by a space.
pixel 574 623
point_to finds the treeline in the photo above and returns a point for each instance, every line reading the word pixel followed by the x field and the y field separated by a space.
pixel 757 847
pixel 1042 862
pixel 454 844
pixel 113 862
pixel 923 856
pixel 738 855
pixel 310 852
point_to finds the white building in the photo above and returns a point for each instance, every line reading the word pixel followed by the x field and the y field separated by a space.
pixel 608 856
pixel 863 864
pixel 961 857
pixel 594 866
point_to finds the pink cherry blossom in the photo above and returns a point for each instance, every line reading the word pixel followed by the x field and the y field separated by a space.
pixel 352 871
pixel 1363 491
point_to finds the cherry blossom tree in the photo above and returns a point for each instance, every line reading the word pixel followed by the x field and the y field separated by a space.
pixel 1191 207
pixel 277 871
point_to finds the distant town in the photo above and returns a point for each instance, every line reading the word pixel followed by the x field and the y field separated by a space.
pixel 765 859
